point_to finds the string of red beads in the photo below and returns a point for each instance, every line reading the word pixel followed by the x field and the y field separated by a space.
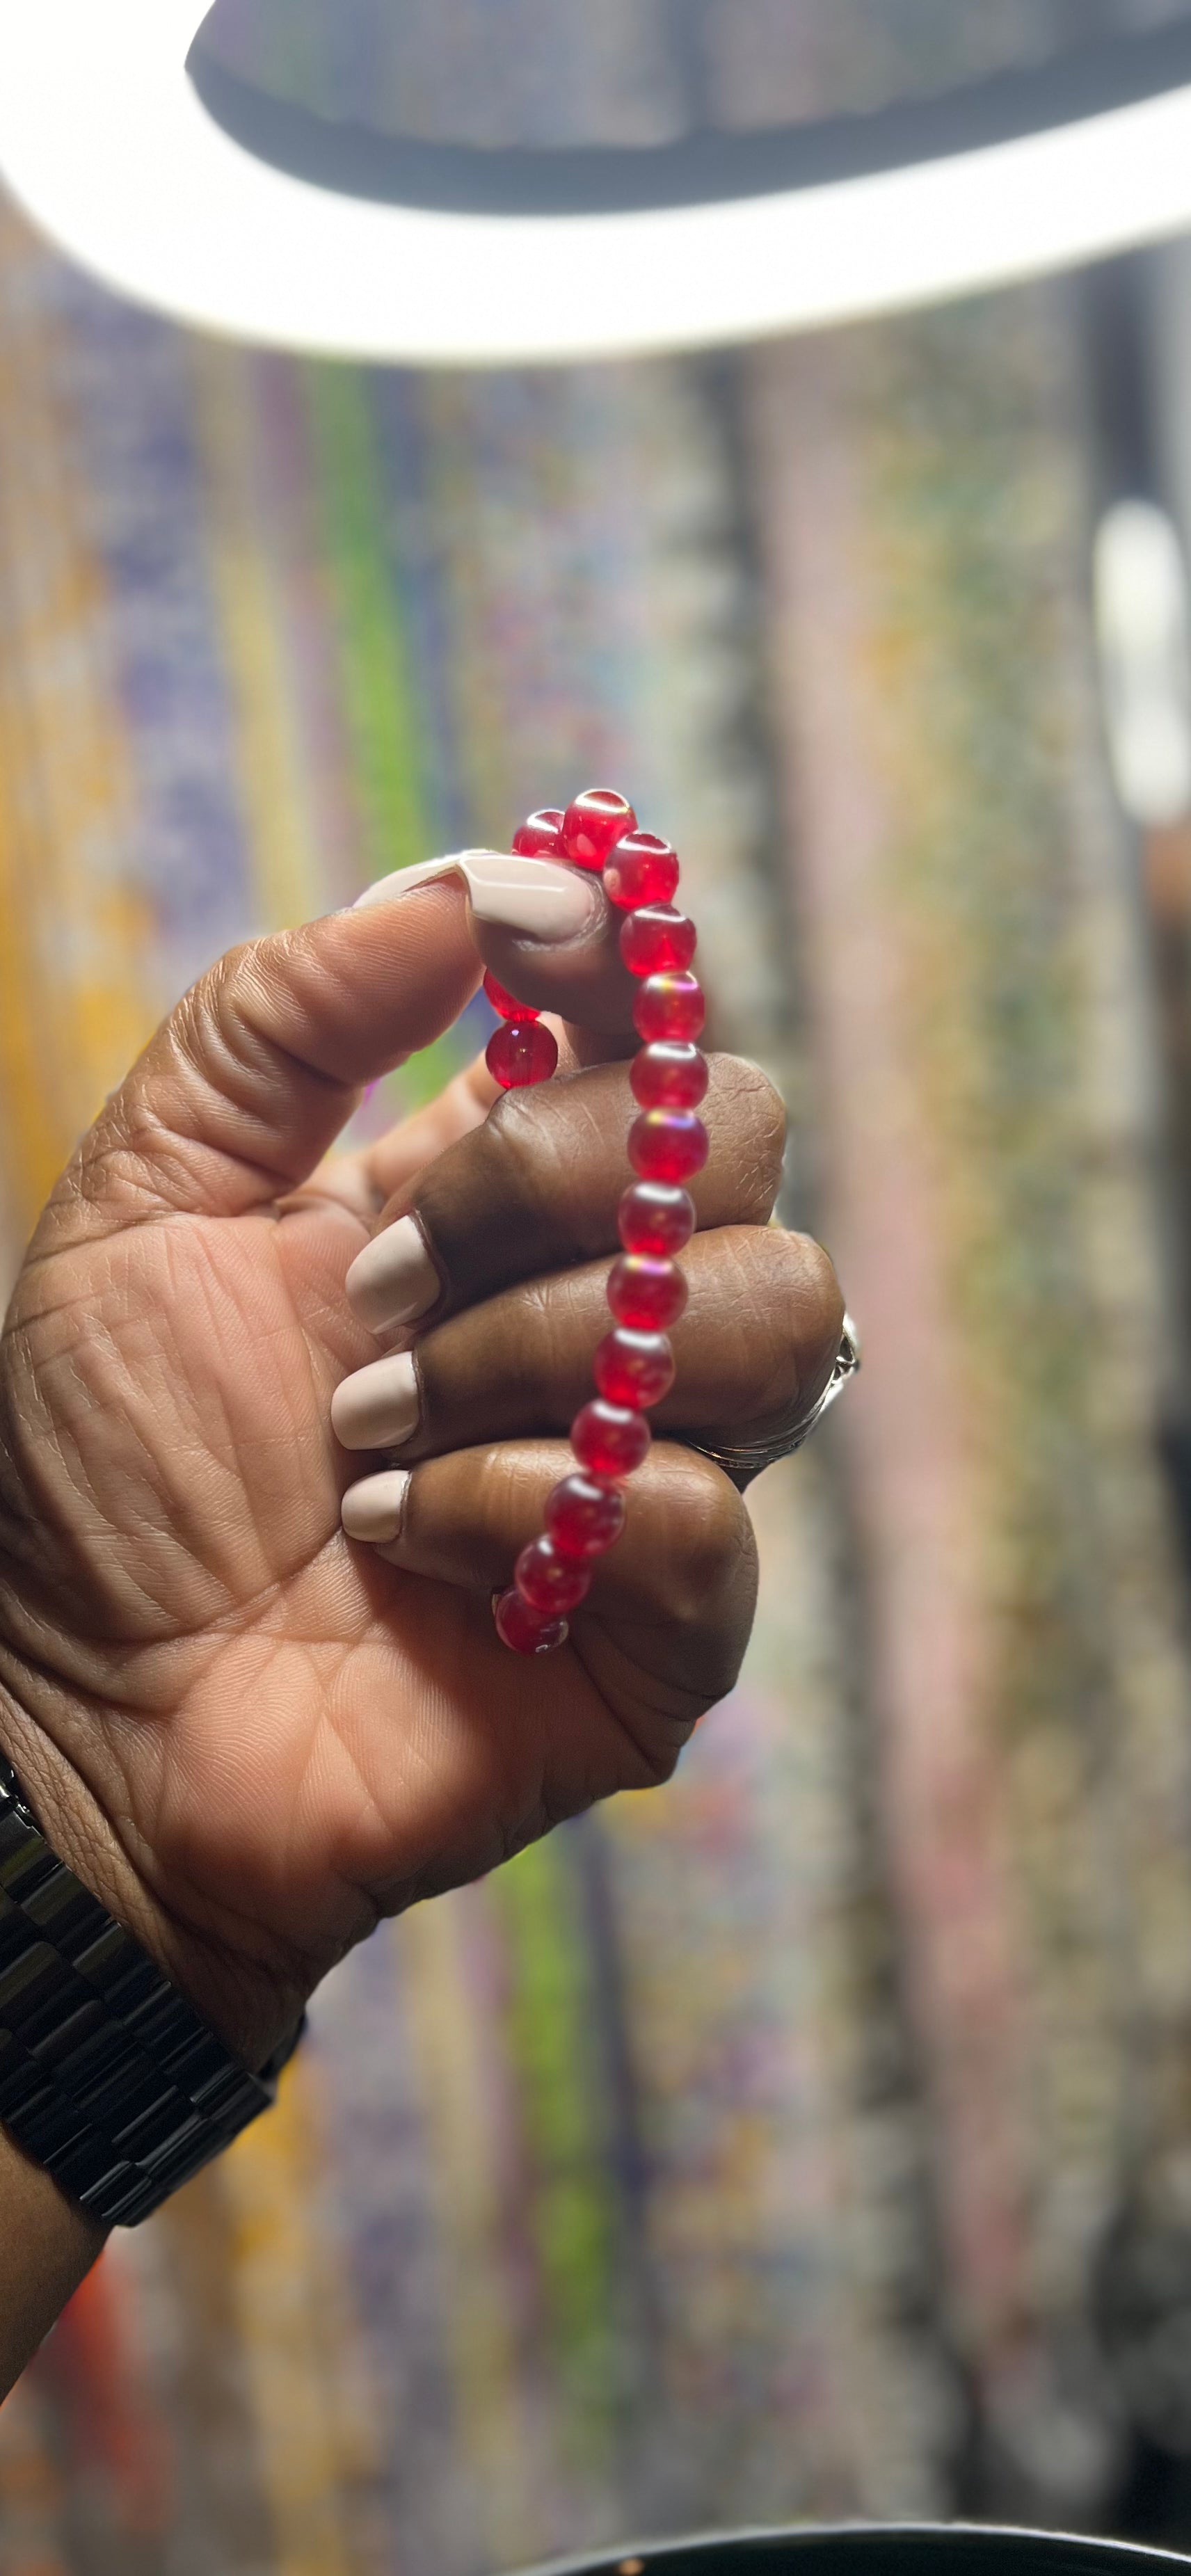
pixel 633 1366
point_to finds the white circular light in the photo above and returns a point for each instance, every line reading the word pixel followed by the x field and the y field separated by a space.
pixel 105 143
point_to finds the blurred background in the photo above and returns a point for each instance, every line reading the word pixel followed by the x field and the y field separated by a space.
pixel 813 2139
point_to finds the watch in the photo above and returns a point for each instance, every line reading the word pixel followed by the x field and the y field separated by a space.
pixel 108 2076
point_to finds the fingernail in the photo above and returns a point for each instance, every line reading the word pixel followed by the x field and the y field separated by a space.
pixel 393 1280
pixel 534 896
pixel 378 1407
pixel 404 881
pixel 374 1508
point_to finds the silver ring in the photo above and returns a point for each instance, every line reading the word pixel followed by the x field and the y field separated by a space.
pixel 746 1459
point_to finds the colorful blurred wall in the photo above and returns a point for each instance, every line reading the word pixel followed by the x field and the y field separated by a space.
pixel 810 2139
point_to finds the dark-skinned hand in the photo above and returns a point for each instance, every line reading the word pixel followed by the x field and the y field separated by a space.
pixel 250 1733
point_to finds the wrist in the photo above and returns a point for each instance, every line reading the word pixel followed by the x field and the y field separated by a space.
pixel 109 2078
pixel 47 2245
pixel 251 2011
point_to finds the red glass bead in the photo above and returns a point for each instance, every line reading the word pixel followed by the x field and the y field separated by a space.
pixel 584 1518
pixel 504 1003
pixel 643 1290
pixel 609 1439
pixel 656 938
pixel 667 1144
pixel 526 1630
pixel 540 836
pixel 593 823
pixel 633 1368
pixel 640 869
pixel 669 1006
pixel 653 1216
pixel 669 1075
pixel 521 1052
pixel 547 1579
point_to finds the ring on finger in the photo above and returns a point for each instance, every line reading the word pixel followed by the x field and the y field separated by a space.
pixel 742 1460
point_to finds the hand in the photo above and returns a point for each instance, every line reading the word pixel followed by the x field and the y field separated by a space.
pixel 250 1734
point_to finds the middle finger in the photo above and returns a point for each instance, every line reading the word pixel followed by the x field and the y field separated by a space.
pixel 755 1347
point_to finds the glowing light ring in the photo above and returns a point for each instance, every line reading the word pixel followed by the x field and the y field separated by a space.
pixel 105 143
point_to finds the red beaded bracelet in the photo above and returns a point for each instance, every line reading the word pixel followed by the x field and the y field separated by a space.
pixel 667 1144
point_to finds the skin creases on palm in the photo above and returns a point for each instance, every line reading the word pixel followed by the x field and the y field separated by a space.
pixel 292 1737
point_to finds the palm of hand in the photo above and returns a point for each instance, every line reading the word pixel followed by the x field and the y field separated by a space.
pixel 292 1735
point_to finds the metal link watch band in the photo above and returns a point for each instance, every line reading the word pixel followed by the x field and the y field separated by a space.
pixel 108 2077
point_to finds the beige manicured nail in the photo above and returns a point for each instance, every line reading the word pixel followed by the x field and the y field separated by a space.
pixel 373 1509
pixel 378 1407
pixel 393 1280
pixel 533 896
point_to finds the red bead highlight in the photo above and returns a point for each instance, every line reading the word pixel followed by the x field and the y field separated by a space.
pixel 505 1004
pixel 525 1630
pixel 669 1075
pixel 593 823
pixel 633 1368
pixel 540 836
pixel 548 1580
pixel 653 1216
pixel 640 869
pixel 669 1006
pixel 610 1439
pixel 667 1144
pixel 645 1291
pixel 583 1517
pixel 656 939
pixel 520 1053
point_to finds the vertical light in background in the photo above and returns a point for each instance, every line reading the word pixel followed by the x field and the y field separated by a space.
pixel 32 2485
pixel 361 518
pixel 828 520
pixel 316 2437
pixel 1140 594
pixel 73 1000
pixel 1140 597
pixel 237 469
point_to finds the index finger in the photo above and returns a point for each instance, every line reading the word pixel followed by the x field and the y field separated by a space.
pixel 537 1188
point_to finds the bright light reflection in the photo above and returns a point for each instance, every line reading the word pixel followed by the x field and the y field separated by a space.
pixel 104 142
pixel 1145 660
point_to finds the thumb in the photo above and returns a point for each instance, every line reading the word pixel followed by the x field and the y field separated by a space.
pixel 250 1079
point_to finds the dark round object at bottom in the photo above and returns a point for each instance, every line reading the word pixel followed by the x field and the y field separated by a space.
pixel 880 2549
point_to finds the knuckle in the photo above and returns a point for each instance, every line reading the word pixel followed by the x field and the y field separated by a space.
pixel 545 1142
pixel 750 1123
pixel 712 1549
pixel 516 1133
pixel 775 1304
pixel 218 1019
pixel 661 1759
pixel 818 1306
pixel 799 1319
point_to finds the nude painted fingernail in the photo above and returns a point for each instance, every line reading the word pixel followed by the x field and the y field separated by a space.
pixel 374 1508
pixel 403 881
pixel 393 1280
pixel 378 1407
pixel 533 896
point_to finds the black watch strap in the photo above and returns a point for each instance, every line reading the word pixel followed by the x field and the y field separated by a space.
pixel 108 2077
